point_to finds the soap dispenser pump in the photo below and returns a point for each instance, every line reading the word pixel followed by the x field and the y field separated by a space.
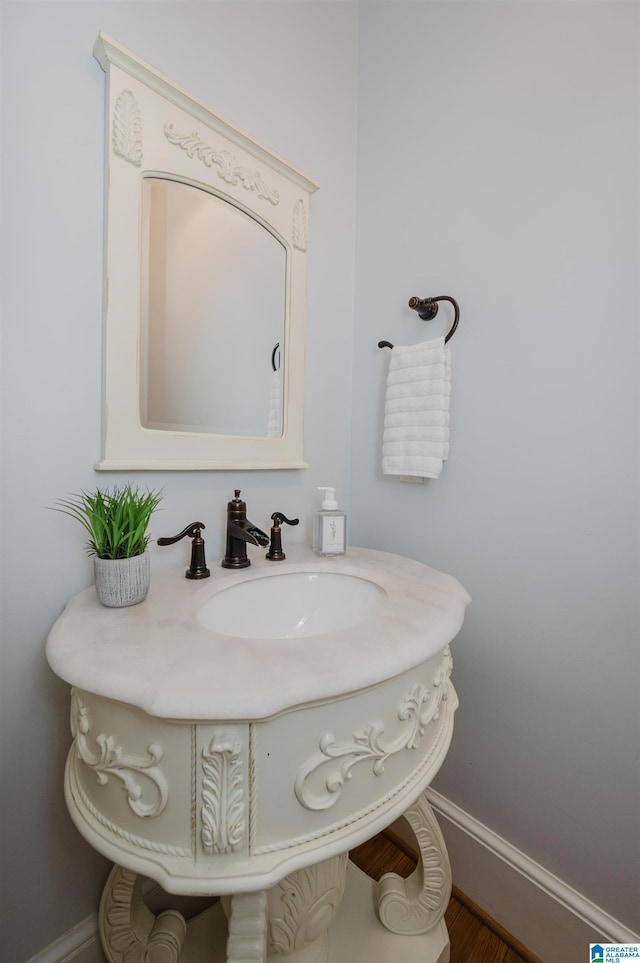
pixel 329 526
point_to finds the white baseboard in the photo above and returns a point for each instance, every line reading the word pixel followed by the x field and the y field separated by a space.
pixel 81 944
pixel 550 918
pixel 546 915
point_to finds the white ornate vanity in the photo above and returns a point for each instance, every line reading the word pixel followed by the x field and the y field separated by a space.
pixel 245 763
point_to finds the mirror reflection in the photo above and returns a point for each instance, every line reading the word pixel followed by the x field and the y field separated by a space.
pixel 213 315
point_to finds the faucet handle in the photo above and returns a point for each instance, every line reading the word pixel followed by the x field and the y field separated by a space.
pixel 198 567
pixel 192 530
pixel 275 553
pixel 278 518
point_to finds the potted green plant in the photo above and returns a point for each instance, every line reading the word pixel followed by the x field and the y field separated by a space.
pixel 117 523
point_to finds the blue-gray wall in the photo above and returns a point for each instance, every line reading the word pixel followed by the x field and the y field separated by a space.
pixel 498 163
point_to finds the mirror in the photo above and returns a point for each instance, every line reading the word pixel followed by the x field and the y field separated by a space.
pixel 205 289
pixel 212 316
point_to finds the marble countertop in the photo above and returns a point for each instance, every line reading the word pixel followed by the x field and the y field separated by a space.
pixel 157 656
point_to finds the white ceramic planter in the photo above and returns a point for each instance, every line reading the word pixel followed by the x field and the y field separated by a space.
pixel 122 581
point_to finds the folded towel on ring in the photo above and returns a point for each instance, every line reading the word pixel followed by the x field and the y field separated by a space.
pixel 415 442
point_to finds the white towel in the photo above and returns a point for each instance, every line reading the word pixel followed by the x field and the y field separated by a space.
pixel 416 414
pixel 274 428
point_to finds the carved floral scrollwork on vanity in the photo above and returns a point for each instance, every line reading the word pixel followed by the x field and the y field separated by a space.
pixel 129 931
pixel 111 760
pixel 227 166
pixel 336 761
pixel 417 904
pixel 303 904
pixel 223 803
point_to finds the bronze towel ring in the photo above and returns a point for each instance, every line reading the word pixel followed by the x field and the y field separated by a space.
pixel 427 309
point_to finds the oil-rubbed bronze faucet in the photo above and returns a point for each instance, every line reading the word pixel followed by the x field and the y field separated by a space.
pixel 240 531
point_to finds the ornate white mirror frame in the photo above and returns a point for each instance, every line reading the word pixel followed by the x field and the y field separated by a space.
pixel 154 128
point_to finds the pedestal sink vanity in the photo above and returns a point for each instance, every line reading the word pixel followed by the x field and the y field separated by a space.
pixel 236 737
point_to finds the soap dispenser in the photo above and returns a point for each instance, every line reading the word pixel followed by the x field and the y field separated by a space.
pixel 329 526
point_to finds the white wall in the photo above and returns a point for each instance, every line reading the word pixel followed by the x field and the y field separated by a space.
pixel 498 163
pixel 286 72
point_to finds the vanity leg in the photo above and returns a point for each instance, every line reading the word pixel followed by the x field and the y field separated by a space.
pixel 247 942
pixel 417 904
pixel 129 931
pixel 300 909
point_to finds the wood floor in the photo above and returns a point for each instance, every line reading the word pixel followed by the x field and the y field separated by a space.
pixel 475 938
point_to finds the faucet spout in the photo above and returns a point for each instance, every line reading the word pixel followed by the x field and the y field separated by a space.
pixel 240 532
pixel 248 532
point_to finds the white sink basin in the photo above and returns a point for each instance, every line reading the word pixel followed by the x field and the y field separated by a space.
pixel 253 643
pixel 293 605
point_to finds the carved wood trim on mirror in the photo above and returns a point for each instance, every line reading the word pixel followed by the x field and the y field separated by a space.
pixel 189 380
